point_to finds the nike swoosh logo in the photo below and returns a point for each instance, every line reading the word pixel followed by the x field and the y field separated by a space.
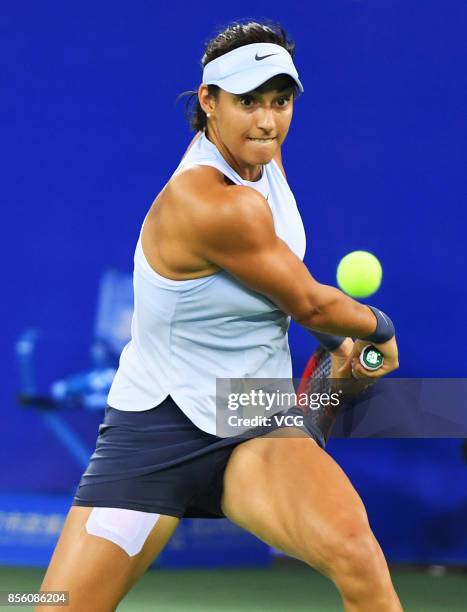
pixel 258 58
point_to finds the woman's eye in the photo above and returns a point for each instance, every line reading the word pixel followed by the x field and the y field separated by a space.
pixel 246 100
pixel 283 101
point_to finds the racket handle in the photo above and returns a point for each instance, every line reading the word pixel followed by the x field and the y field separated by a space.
pixel 371 358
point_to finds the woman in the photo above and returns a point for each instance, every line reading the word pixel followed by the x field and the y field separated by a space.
pixel 218 272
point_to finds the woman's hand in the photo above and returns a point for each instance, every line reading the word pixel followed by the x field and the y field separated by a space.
pixel 341 370
pixel 390 354
pixel 345 364
pixel 340 360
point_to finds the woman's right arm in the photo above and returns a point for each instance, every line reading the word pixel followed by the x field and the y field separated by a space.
pixel 237 234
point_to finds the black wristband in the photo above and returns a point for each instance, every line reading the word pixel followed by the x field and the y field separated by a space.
pixel 384 327
pixel 329 341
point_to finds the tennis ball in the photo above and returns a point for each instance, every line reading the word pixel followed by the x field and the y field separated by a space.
pixel 359 274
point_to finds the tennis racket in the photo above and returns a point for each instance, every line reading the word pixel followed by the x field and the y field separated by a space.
pixel 316 380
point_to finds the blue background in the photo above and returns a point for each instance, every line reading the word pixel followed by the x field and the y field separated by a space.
pixel 376 158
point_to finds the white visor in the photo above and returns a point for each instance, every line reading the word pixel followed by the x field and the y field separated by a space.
pixel 248 67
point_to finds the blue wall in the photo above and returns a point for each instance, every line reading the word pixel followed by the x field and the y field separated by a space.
pixel 91 132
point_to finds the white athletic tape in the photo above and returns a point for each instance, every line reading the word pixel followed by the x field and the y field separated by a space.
pixel 128 529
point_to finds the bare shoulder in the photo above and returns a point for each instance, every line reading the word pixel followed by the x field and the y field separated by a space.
pixel 193 183
pixel 213 207
pixel 197 214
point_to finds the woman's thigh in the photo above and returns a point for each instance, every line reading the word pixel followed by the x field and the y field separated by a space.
pixel 95 571
pixel 291 494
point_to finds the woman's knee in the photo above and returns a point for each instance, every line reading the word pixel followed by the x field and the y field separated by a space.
pixel 361 556
pixel 349 548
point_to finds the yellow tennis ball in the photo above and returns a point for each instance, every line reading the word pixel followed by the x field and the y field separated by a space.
pixel 359 274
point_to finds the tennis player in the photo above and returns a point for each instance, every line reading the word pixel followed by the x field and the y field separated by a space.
pixel 218 273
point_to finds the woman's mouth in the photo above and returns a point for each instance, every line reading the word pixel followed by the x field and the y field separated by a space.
pixel 262 140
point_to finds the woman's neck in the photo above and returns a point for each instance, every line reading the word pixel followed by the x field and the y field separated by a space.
pixel 246 171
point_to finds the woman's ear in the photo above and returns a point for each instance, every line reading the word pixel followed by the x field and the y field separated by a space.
pixel 206 101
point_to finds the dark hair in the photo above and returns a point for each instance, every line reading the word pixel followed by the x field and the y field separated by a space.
pixel 236 34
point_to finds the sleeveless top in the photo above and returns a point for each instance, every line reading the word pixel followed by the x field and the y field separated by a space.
pixel 185 334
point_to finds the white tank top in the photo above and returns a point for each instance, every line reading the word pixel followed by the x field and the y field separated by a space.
pixel 186 334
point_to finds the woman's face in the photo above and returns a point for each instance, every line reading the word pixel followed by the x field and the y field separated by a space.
pixel 250 127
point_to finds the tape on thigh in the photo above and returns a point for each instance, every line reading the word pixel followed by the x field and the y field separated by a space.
pixel 128 529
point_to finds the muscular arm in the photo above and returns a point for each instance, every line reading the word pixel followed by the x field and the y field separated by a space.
pixel 236 233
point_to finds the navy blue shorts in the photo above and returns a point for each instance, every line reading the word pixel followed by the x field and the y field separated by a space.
pixel 158 461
